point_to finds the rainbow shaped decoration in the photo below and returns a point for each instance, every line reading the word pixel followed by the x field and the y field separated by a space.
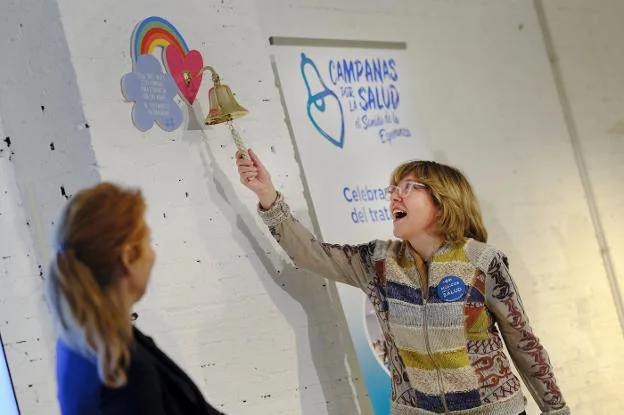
pixel 156 32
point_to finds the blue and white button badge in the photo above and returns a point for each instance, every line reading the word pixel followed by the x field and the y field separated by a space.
pixel 451 288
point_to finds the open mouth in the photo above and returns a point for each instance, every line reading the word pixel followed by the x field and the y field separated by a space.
pixel 398 214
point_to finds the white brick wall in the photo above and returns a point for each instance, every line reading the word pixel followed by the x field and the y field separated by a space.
pixel 587 38
pixel 592 62
pixel 257 342
pixel 42 118
pixel 24 333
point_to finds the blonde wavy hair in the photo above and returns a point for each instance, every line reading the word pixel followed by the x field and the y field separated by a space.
pixel 460 214
pixel 83 276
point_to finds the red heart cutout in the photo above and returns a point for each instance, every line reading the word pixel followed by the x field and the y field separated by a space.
pixel 178 64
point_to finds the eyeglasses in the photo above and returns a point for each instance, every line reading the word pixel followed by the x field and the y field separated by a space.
pixel 403 190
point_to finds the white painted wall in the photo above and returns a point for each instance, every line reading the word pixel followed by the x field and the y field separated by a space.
pixel 587 39
pixel 262 343
pixel 24 333
pixel 45 148
pixel 254 340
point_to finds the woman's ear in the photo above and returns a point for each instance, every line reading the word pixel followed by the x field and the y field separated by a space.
pixel 129 255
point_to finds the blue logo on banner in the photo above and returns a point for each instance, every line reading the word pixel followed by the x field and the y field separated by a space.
pixel 319 100
pixel 451 288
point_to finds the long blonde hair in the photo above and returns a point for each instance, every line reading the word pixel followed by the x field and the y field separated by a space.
pixel 93 227
pixel 460 214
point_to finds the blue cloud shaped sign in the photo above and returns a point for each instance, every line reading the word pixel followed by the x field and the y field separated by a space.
pixel 153 92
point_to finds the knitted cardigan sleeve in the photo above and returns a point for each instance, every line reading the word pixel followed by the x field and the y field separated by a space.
pixel 350 264
pixel 527 353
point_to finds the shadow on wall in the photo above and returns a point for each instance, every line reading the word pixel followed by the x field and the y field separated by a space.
pixel 48 147
pixel 320 339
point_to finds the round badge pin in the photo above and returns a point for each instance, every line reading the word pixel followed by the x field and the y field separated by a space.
pixel 451 288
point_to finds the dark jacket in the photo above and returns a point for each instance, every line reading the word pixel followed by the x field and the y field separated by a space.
pixel 156 385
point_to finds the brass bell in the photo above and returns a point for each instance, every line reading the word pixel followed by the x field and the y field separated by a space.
pixel 223 105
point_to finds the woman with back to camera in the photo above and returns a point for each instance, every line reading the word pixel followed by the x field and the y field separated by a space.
pixel 101 268
pixel 444 298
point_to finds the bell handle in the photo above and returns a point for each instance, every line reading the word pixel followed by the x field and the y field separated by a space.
pixel 238 141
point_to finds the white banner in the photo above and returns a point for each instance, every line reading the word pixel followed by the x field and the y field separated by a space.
pixel 354 121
